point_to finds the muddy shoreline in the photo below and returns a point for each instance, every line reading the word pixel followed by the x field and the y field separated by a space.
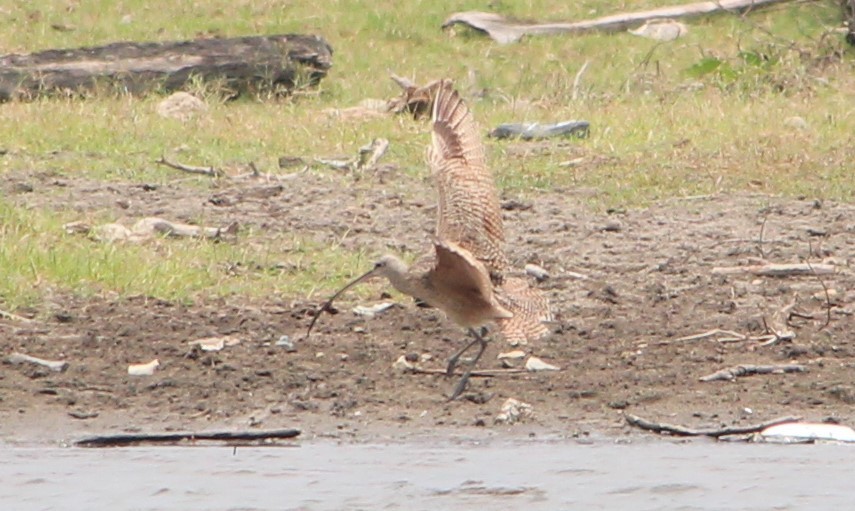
pixel 648 282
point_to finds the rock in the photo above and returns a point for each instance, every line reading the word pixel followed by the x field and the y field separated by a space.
pixel 661 30
pixel 286 342
pixel 215 343
pixel 537 272
pixel 614 226
pixel 535 364
pixel 511 355
pixel 797 123
pixel 402 364
pixel 146 369
pixel 535 130
pixel 806 431
pixel 182 106
pixel 513 411
pixel 372 310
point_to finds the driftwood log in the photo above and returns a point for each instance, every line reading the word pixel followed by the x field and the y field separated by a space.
pixel 505 31
pixel 171 438
pixel 237 65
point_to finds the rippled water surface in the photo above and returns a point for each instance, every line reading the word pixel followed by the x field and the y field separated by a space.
pixel 458 476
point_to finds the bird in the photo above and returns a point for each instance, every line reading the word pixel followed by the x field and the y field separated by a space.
pixel 466 271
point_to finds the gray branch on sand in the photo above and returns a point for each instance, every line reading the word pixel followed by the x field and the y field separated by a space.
pixel 237 65
pixel 732 373
pixel 777 269
pixel 148 227
pixel 676 430
pixel 504 31
pixel 170 438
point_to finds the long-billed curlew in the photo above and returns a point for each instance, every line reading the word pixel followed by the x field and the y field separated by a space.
pixel 466 274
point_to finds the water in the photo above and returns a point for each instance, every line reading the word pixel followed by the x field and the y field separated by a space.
pixel 422 476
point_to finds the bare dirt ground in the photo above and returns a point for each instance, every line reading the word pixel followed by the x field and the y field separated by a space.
pixel 649 283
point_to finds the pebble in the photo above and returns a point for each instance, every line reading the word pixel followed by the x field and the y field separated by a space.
pixel 372 310
pixel 535 364
pixel 146 369
pixel 513 411
pixel 661 30
pixel 796 122
pixel 512 354
pixel 215 343
pixel 181 105
pixel 402 364
pixel 537 272
pixel 286 342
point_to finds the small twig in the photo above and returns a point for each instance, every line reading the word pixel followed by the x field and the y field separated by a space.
pixel 14 317
pixel 661 427
pixel 731 373
pixel 827 296
pixel 54 365
pixel 205 171
pixel 133 439
pixel 760 238
pixel 578 79
pixel 484 373
pixel 776 270
pixel 733 336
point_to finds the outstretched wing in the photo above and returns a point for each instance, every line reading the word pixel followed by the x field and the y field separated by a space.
pixel 529 307
pixel 468 214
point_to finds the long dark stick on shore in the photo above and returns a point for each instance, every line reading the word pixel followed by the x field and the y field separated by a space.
pixel 661 427
pixel 167 438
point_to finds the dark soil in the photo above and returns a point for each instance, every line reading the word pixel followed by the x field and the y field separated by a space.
pixel 649 282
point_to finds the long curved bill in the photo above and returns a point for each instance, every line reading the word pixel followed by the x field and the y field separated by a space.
pixel 326 306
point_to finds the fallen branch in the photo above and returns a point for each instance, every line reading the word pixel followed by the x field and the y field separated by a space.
pixel 731 336
pixel 14 317
pixel 661 427
pixel 484 373
pixel 159 438
pixel 191 169
pixel 241 64
pixel 54 365
pixel 505 31
pixel 777 269
pixel 731 373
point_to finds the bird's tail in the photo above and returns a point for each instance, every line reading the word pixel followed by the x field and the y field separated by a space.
pixel 530 310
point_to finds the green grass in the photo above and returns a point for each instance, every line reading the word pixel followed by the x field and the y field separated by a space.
pixel 703 114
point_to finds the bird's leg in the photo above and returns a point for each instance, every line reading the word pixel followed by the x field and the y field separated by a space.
pixel 461 385
pixel 452 362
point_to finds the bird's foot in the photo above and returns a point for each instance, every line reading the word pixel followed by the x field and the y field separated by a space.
pixel 461 386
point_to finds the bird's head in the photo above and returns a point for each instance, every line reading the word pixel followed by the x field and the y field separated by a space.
pixel 387 266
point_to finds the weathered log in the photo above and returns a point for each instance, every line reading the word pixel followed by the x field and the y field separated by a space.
pixel 238 65
pixel 505 31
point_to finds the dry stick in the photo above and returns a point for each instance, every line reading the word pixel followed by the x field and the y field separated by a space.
pixel 824 288
pixel 484 373
pixel 14 317
pixel 205 171
pixel 661 427
pixel 734 336
pixel 54 365
pixel 760 239
pixel 132 439
pixel 776 269
pixel 578 80
pixel 731 373
pixel 507 31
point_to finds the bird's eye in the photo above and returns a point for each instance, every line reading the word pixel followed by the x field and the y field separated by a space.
pixel 379 264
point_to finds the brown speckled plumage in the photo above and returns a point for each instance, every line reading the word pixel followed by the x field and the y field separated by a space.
pixel 470 218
